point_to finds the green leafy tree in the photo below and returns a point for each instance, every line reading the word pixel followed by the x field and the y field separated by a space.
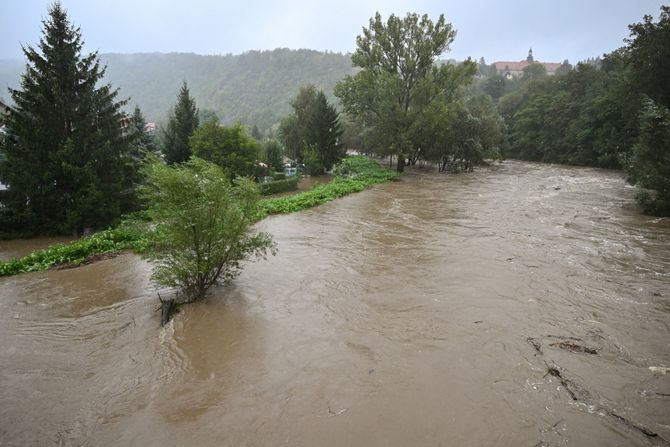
pixel 202 226
pixel 207 115
pixel 650 164
pixel 649 56
pixel 182 123
pixel 273 153
pixel 314 123
pixel 228 147
pixel 534 71
pixel 399 79
pixel 66 157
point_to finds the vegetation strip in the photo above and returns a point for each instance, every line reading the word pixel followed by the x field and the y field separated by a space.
pixel 353 174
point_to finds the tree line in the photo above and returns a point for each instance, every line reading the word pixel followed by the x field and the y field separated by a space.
pixel 72 160
pixel 611 112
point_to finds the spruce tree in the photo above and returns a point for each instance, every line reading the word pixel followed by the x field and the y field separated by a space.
pixel 325 130
pixel 65 154
pixel 181 125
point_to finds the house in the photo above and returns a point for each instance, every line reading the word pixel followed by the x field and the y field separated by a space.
pixel 510 69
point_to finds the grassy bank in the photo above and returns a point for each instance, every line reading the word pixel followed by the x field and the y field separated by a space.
pixel 353 174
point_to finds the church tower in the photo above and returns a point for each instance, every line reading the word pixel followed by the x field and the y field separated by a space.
pixel 530 59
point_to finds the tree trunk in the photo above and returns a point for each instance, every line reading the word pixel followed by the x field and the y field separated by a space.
pixel 401 163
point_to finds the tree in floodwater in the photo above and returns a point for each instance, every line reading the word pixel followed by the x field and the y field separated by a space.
pixel 65 156
pixel 202 224
pixel 182 123
pixel 650 164
pixel 463 133
pixel 399 80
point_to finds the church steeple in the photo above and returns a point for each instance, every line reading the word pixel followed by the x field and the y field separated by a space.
pixel 530 59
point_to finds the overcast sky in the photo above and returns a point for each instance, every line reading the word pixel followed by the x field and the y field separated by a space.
pixel 494 29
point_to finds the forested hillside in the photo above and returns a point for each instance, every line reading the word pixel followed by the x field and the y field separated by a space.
pixel 254 87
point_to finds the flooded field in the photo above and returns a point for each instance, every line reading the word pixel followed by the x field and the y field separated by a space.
pixel 522 305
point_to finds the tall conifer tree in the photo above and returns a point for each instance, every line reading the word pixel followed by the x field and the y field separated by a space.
pixel 65 155
pixel 181 125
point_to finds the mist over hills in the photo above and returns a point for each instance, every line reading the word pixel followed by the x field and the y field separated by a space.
pixel 254 87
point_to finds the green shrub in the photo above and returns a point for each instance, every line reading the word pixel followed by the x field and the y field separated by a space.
pixel 202 226
pixel 275 187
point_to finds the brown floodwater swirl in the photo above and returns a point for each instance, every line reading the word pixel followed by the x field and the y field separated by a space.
pixel 399 316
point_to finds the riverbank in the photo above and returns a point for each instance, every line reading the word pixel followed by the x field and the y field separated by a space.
pixel 353 174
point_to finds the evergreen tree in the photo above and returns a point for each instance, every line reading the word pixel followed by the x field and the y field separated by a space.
pixel 181 125
pixel 325 131
pixel 314 123
pixel 141 142
pixel 256 133
pixel 65 157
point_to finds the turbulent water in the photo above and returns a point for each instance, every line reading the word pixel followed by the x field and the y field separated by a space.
pixel 439 310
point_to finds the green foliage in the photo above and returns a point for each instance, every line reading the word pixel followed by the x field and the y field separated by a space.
pixel 463 133
pixel 534 71
pixel 313 165
pixel 399 80
pixel 650 163
pixel 273 153
pixel 313 124
pixel 353 174
pixel 649 56
pixel 282 185
pixel 253 87
pixel 182 123
pixel 228 147
pixel 66 162
pixel 202 226
pixel 129 235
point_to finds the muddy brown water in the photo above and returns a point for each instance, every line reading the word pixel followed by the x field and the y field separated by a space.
pixel 394 317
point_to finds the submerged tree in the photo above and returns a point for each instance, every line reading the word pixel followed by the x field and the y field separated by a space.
pixel 182 123
pixel 66 157
pixel 399 80
pixel 202 226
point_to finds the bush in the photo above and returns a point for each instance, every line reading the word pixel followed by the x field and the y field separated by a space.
pixel 289 184
pixel 278 176
pixel 202 226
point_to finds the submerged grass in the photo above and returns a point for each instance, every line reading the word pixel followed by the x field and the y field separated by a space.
pixel 353 174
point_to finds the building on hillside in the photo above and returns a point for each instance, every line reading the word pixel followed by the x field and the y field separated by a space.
pixel 510 69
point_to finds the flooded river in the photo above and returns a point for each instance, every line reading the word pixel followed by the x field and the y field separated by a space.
pixel 441 310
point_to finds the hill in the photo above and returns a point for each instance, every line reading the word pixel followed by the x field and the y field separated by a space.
pixel 254 87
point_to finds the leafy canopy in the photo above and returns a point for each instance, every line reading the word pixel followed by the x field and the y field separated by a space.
pixel 228 147
pixel 202 226
pixel 399 79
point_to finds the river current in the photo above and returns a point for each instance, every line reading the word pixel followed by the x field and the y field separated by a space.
pixel 519 305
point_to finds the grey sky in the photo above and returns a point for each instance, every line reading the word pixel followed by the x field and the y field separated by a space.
pixel 497 30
